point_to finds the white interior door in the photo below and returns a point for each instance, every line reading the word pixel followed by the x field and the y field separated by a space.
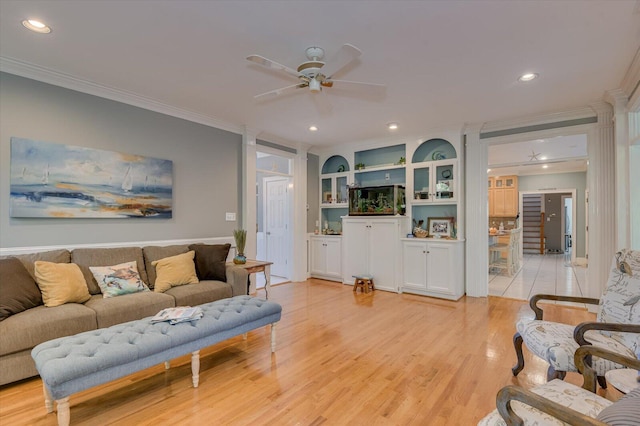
pixel 276 224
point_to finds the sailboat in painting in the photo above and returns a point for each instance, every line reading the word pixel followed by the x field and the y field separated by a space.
pixel 45 176
pixel 127 182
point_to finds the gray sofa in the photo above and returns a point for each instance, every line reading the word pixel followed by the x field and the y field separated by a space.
pixel 21 332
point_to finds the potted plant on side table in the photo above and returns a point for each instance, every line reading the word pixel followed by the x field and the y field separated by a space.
pixel 240 235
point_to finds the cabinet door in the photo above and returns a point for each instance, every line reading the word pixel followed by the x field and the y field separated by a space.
pixel 510 202
pixel 440 268
pixel 355 237
pixel 414 255
pixel 318 256
pixel 498 202
pixel 492 202
pixel 333 257
pixel 383 245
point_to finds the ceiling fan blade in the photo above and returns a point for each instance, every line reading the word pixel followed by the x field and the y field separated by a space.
pixel 268 63
pixel 277 92
pixel 341 59
pixel 340 83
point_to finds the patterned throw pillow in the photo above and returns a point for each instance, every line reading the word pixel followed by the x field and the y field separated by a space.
pixel 118 279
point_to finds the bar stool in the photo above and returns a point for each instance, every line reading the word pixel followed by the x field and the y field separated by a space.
pixel 364 282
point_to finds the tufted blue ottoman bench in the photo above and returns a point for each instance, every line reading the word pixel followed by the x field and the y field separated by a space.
pixel 75 363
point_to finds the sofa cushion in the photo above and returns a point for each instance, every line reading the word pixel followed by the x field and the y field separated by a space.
pixel 105 257
pixel 118 279
pixel 211 260
pixel 129 307
pixel 174 271
pixel 152 253
pixel 55 256
pixel 203 292
pixel 623 412
pixel 18 289
pixel 61 283
pixel 29 328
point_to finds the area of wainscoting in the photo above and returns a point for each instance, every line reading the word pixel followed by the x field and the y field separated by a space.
pixel 547 273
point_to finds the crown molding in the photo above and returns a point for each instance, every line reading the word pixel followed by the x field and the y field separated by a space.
pixel 533 120
pixel 56 78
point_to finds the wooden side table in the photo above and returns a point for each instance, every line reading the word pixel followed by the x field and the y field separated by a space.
pixel 255 266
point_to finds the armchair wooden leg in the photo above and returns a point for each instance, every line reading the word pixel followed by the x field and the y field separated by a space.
pixel 602 382
pixel 553 374
pixel 517 344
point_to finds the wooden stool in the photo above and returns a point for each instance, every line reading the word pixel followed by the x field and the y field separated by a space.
pixel 364 282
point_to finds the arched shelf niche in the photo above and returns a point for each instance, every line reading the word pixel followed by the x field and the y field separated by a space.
pixel 335 164
pixel 434 150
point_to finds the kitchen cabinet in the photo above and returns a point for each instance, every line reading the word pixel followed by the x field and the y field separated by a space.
pixel 372 246
pixel 326 257
pixel 433 267
pixel 503 196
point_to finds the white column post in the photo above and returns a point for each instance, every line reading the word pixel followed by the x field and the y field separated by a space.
pixel 249 216
pixel 618 100
pixel 476 214
pixel 299 252
pixel 602 201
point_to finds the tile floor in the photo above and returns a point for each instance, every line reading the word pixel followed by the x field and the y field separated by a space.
pixel 548 273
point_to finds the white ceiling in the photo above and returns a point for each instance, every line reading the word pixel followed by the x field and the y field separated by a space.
pixel 444 62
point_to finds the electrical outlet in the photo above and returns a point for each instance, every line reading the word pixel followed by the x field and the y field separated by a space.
pixel 387 176
pixel 230 217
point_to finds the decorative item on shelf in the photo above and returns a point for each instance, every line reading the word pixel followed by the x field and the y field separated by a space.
pixel 446 174
pixel 360 166
pixel 341 168
pixel 402 161
pixel 438 155
pixel 240 235
pixel 439 227
pixel 417 229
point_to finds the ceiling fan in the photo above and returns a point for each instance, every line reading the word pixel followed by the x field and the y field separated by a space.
pixel 314 73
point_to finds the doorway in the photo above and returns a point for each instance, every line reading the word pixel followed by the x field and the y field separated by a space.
pixel 274 192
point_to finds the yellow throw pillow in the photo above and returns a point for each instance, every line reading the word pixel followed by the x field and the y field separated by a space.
pixel 174 271
pixel 61 283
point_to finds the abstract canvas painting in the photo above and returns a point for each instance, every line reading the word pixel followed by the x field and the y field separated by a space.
pixel 64 181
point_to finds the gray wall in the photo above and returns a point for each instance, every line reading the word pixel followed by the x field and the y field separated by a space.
pixel 577 180
pixel 206 164
pixel 313 191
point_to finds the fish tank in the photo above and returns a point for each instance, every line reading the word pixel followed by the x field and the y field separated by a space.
pixel 386 200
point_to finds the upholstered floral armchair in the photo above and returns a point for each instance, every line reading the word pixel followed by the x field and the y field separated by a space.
pixel 560 403
pixel 617 327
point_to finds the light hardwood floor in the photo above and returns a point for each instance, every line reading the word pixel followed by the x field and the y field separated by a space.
pixel 342 358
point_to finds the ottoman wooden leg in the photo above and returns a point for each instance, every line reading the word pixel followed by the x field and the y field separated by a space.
pixel 64 414
pixel 195 368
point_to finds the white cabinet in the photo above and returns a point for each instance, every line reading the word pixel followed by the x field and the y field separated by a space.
pixel 334 190
pixel 326 257
pixel 435 182
pixel 372 246
pixel 433 267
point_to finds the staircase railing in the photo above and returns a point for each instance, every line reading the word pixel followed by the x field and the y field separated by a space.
pixel 541 232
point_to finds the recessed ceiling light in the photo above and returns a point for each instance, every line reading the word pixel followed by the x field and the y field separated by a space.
pixel 545 166
pixel 528 77
pixel 488 170
pixel 313 128
pixel 392 126
pixel 37 26
pixel 543 158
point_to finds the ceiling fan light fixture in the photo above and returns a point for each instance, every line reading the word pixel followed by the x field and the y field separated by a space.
pixel 392 126
pixel 528 77
pixel 36 26
pixel 314 85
